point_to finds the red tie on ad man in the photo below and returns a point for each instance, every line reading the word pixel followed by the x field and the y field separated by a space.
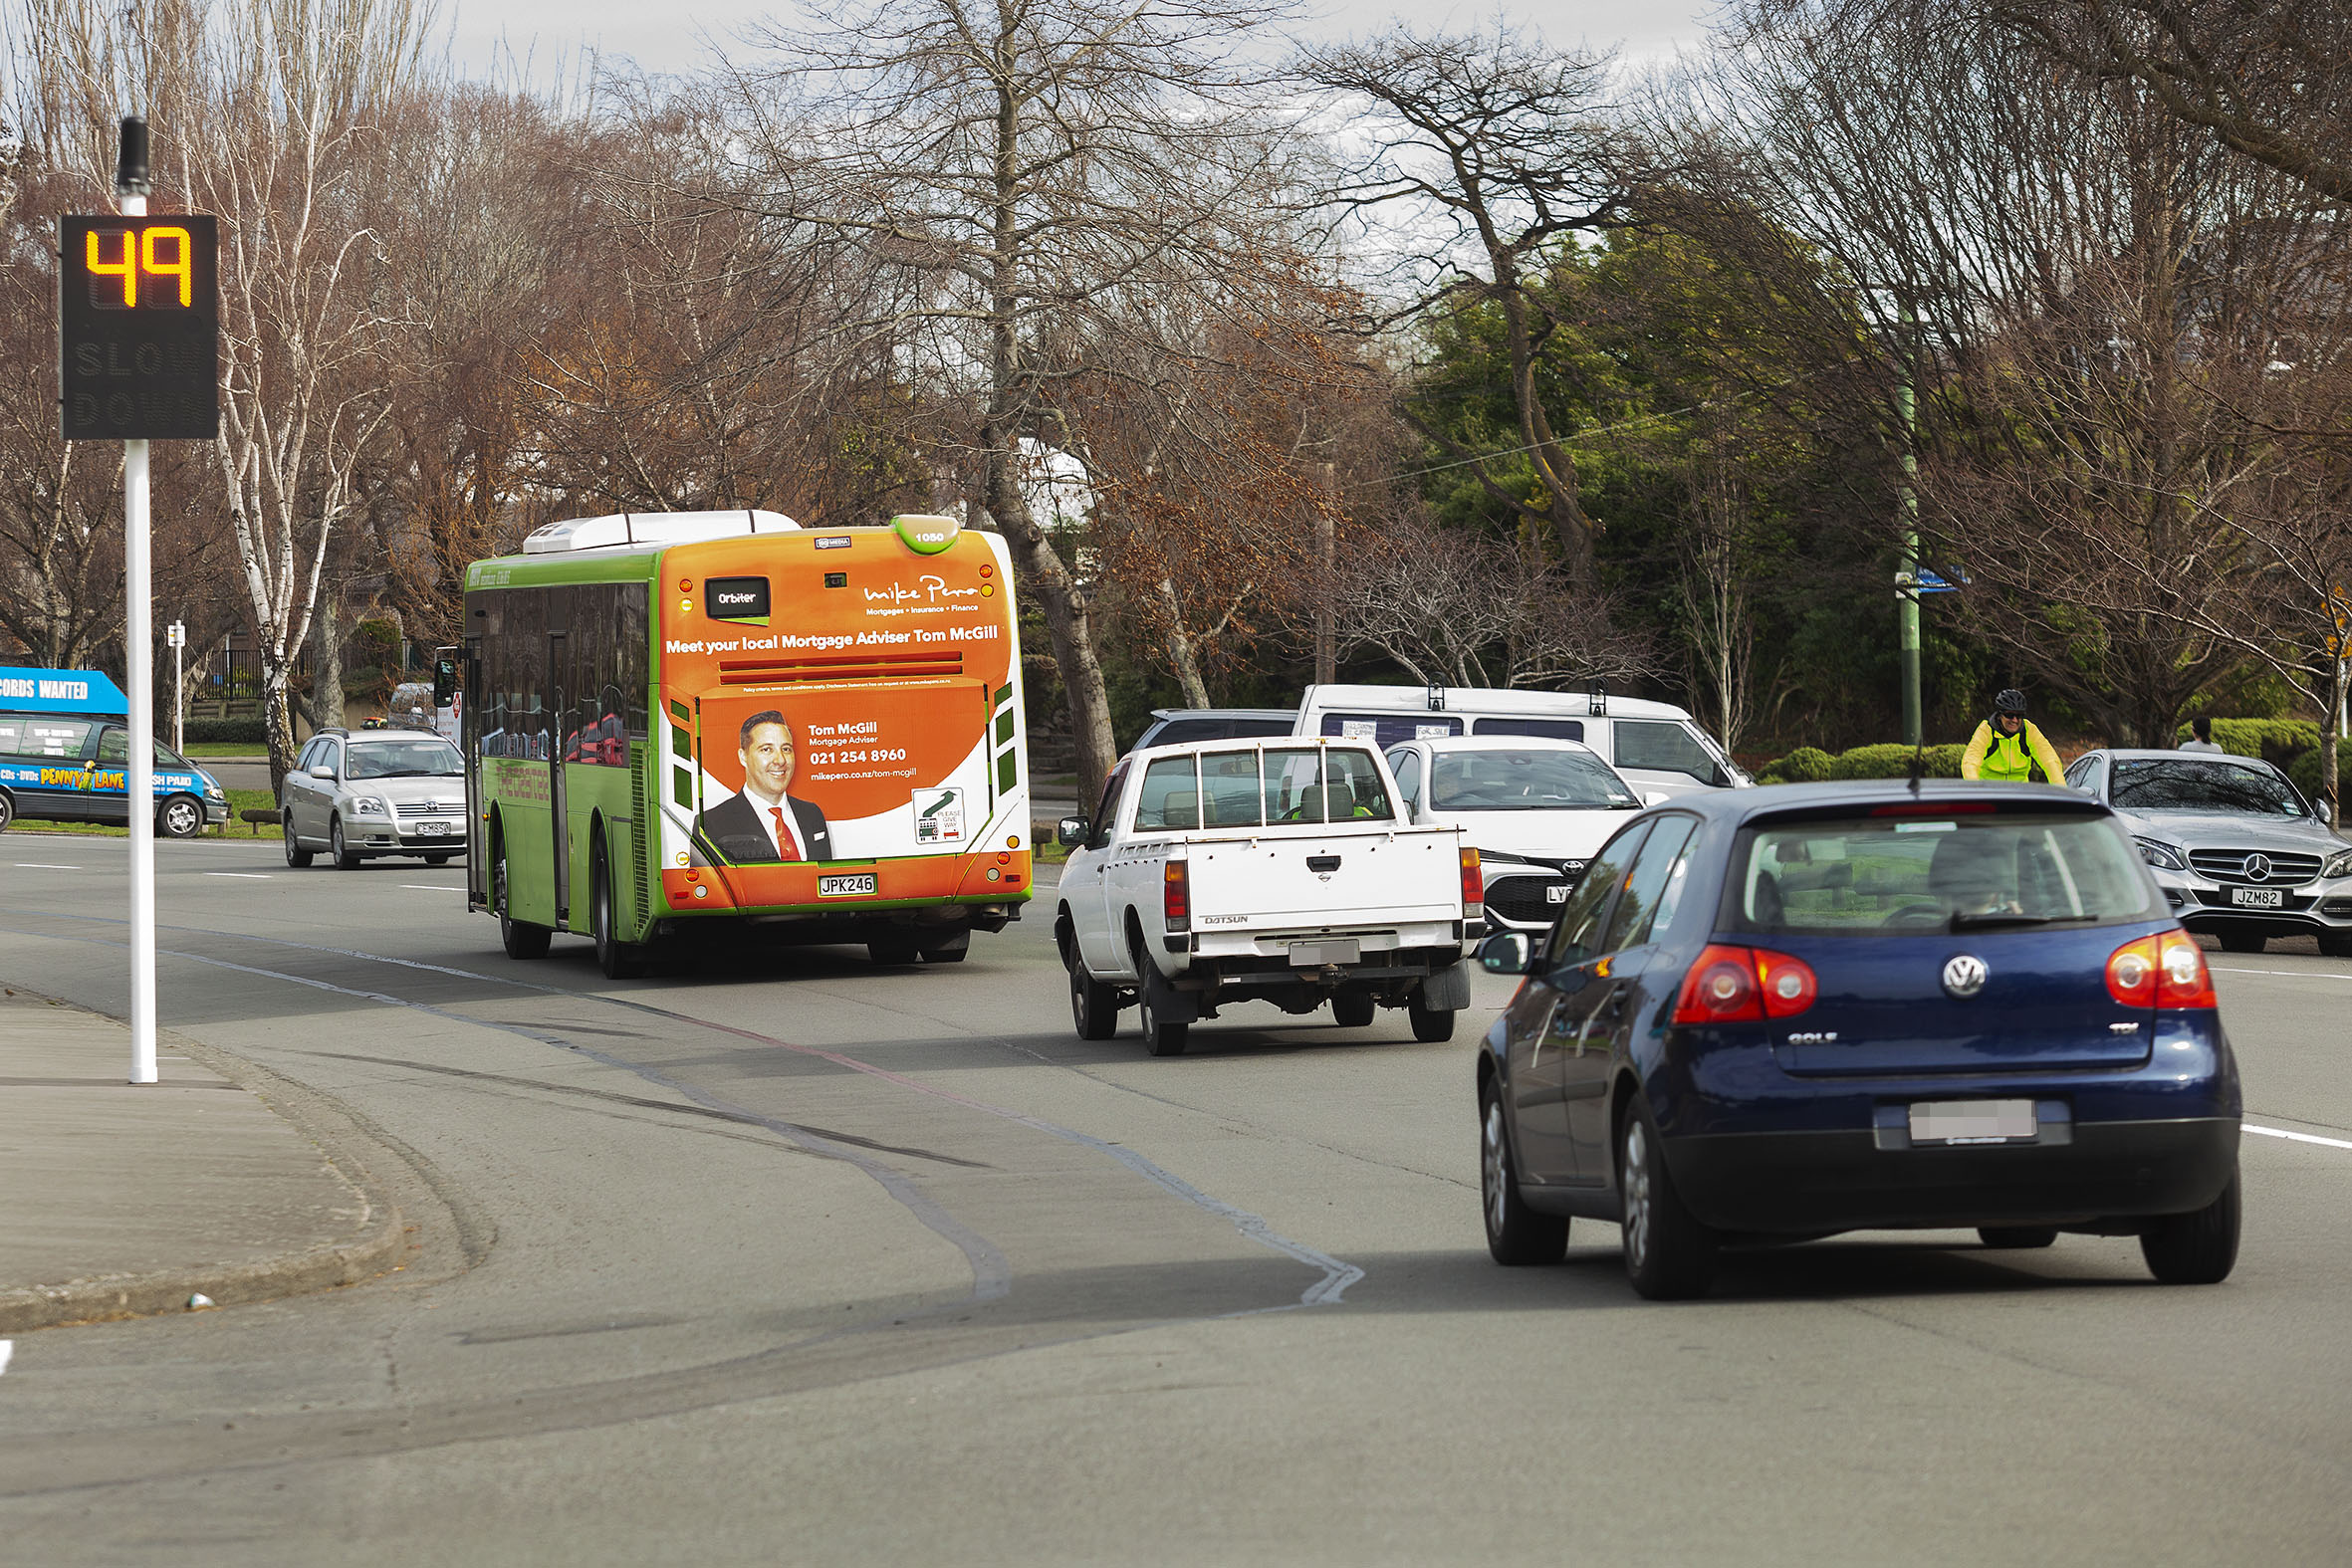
pixel 787 846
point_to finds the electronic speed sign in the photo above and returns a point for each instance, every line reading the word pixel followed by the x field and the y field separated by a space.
pixel 139 328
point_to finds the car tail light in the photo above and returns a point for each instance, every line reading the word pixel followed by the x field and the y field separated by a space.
pixel 1788 984
pixel 1719 988
pixel 1733 985
pixel 1473 886
pixel 2181 980
pixel 1176 896
pixel 2166 970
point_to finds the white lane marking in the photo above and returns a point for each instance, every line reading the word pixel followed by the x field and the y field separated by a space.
pixel 7 1349
pixel 2280 1132
pixel 434 887
pixel 43 865
pixel 250 876
pixel 2279 974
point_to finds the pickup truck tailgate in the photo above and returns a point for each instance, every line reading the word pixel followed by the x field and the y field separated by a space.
pixel 1325 879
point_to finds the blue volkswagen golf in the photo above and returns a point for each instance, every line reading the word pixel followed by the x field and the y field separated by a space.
pixel 1778 1013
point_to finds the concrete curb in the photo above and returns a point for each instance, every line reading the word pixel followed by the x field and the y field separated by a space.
pixel 103 1298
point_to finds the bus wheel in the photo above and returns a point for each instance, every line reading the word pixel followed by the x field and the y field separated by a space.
pixel 183 816
pixel 950 950
pixel 521 939
pixel 7 810
pixel 894 951
pixel 617 958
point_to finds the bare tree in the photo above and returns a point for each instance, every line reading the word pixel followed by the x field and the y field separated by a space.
pixel 1020 189
pixel 2269 79
pixel 1454 610
pixel 1481 156
pixel 268 113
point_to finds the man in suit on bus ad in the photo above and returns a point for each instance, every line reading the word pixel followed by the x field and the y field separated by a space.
pixel 763 824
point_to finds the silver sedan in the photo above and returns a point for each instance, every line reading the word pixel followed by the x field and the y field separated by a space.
pixel 2237 851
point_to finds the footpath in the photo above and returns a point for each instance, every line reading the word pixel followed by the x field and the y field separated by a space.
pixel 118 1201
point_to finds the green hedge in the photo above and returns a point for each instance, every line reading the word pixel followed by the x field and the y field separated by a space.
pixel 216 731
pixel 2304 770
pixel 1809 764
pixel 2272 739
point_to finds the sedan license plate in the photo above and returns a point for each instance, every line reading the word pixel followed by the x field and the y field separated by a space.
pixel 2257 898
pixel 431 830
pixel 846 886
pixel 1973 1121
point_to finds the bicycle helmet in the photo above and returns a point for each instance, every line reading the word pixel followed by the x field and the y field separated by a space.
pixel 2010 701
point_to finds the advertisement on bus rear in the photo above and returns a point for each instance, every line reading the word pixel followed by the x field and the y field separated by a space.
pixel 846 700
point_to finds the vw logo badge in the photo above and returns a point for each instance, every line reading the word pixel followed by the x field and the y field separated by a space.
pixel 1964 975
pixel 2257 868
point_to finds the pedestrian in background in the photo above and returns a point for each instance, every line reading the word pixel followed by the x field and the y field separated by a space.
pixel 2201 730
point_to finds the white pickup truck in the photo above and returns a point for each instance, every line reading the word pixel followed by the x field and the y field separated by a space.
pixel 1279 870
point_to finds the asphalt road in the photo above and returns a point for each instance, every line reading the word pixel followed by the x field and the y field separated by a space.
pixel 826 1263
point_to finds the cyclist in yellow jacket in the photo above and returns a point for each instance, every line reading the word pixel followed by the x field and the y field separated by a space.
pixel 2007 747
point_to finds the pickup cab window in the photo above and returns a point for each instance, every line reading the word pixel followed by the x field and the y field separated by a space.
pixel 1171 795
pixel 1228 789
pixel 1324 785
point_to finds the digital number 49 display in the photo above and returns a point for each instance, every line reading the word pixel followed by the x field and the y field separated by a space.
pixel 139 328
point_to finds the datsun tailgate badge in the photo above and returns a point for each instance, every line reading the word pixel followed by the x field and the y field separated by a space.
pixel 1964 975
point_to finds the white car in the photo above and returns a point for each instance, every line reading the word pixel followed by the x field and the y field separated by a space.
pixel 1535 810
pixel 1277 871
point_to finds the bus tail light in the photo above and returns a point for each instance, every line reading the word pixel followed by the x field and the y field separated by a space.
pixel 1474 887
pixel 1176 897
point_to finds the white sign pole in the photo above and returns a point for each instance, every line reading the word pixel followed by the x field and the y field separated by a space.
pixel 138 780
pixel 177 635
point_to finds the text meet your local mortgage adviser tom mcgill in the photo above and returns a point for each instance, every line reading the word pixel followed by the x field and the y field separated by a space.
pixel 763 824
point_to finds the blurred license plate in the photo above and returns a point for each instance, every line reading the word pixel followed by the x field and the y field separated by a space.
pixel 1336 950
pixel 842 886
pixel 1972 1121
pixel 432 829
pixel 2257 898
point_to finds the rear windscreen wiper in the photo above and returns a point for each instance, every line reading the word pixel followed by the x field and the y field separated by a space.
pixel 1960 922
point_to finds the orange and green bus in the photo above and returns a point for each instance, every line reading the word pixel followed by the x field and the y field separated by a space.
pixel 687 723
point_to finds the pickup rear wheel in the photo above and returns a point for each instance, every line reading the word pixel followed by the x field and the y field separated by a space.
pixel 1093 1006
pixel 1162 1034
pixel 1352 1009
pixel 1430 1024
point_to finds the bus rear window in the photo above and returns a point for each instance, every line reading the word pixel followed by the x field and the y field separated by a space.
pixel 1913 875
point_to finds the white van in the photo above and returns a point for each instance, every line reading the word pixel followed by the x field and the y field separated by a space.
pixel 1655 745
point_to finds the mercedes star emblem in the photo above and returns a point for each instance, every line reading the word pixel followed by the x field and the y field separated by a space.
pixel 2257 868
pixel 1964 975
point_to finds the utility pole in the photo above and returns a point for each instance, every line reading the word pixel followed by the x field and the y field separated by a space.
pixel 1326 557
pixel 1907 568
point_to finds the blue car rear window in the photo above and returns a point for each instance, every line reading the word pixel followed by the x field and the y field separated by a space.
pixel 1912 874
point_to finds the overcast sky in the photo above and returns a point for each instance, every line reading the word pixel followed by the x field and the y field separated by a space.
pixel 669 35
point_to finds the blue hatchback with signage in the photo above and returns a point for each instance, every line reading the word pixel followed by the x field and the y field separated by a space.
pixel 1775 1014
pixel 64 755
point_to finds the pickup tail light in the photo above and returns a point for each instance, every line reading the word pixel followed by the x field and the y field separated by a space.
pixel 2166 970
pixel 1474 887
pixel 1738 985
pixel 1176 896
